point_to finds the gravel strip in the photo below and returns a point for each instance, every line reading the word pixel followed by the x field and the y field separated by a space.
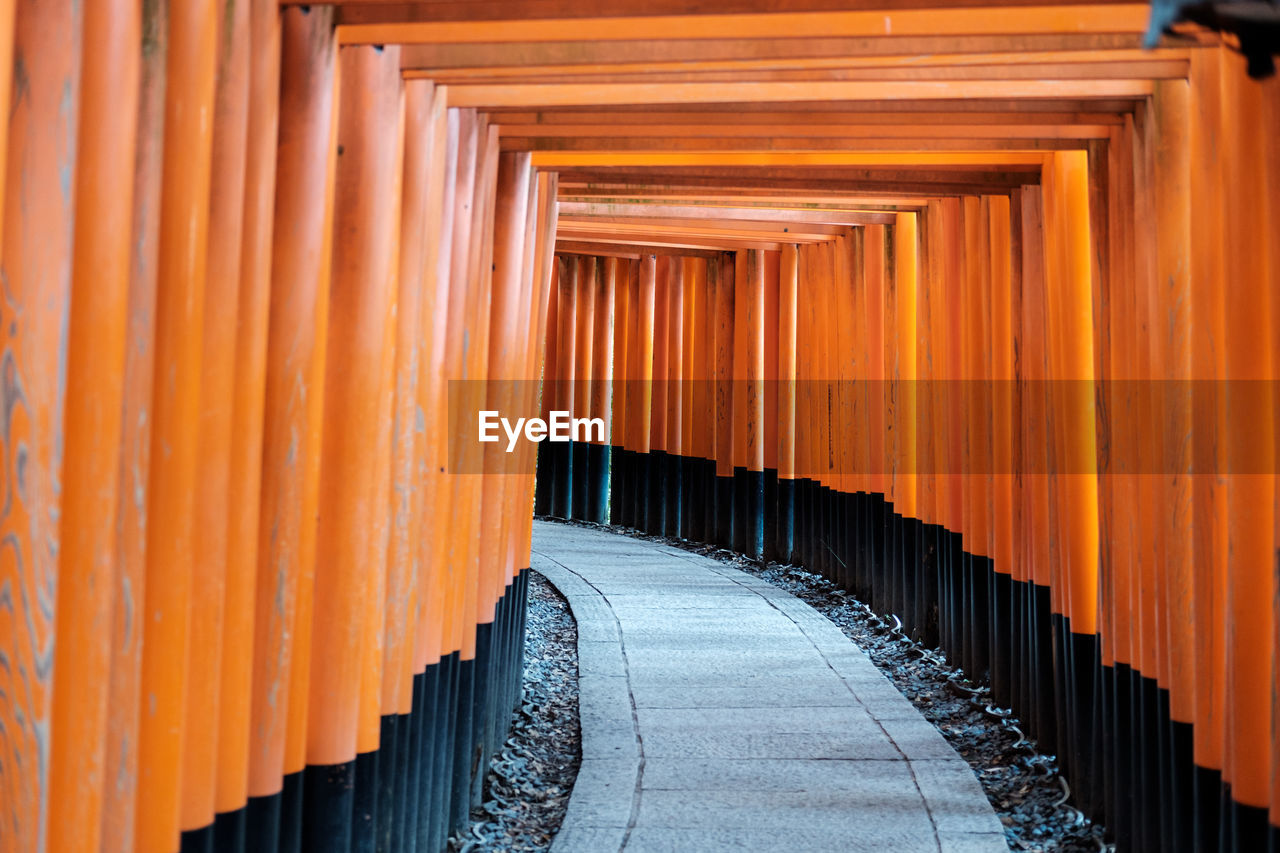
pixel 526 791
pixel 1024 786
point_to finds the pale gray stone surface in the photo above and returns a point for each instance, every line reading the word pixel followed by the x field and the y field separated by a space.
pixel 721 713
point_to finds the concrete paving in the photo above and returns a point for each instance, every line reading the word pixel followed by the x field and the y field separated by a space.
pixel 721 713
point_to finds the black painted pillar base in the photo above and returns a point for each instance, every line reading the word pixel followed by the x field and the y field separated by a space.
pixel 785 536
pixel 364 816
pixel 755 514
pixel 560 454
pixel 724 511
pixel 581 482
pixel 460 791
pixel 673 495
pixel 230 831
pixel 197 840
pixel 769 541
pixel 738 518
pixel 597 503
pixel 618 472
pixel 543 481
pixel 291 812
pixel 328 800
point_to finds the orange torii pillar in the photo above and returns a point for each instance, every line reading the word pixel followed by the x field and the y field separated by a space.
pixel 408 679
pixel 900 395
pixel 295 358
pixel 508 326
pixel 769 425
pixel 1250 457
pixel 1037 465
pixel 870 463
pixel 925 447
pixel 748 403
pixel 352 507
pixel 220 635
pixel 842 419
pixel 672 467
pixel 602 355
pixel 88 558
pixel 640 389
pixel 724 356
pixel 624 461
pixel 562 396
pixel 1117 487
pixel 1070 347
pixel 585 277
pixel 655 461
pixel 694 275
pixel 1209 494
pixel 788 281
pixel 703 371
pixel 130 513
pixel 466 363
pixel 548 392
pixel 620 272
pixel 1000 461
pixel 171 554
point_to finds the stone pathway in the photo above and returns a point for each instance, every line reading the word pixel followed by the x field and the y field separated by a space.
pixel 721 713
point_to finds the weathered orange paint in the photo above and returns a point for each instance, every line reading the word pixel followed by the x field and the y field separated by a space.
pixel 295 358
pixel 95 382
pixel 175 446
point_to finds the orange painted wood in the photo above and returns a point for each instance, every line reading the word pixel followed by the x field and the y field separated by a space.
pixel 248 412
pixel 602 351
pixel 431 509
pixel 1250 449
pixel 221 600
pixel 1209 420
pixel 788 289
pixel 459 551
pixel 91 471
pixel 690 328
pixel 439 62
pixel 673 380
pixel 408 427
pixel 576 94
pixel 298 316
pixel 585 280
pixel 903 371
pixel 908 22
pixel 121 759
pixel 349 583
pixel 619 270
pixel 182 271
pixel 661 352
pixel 1172 342
pixel 1002 377
pixel 506 351
pixel 738 52
pixel 646 351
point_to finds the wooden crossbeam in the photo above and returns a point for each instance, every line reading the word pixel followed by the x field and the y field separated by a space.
pixel 569 94
pixel 1148 68
pixel 575 210
pixel 633 251
pixel 955 22
pixel 779 230
pixel 415 59
pixel 747 145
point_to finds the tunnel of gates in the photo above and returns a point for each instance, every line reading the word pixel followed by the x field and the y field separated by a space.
pixel 1035 425
pixel 972 309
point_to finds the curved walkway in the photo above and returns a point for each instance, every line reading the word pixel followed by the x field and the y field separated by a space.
pixel 721 713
